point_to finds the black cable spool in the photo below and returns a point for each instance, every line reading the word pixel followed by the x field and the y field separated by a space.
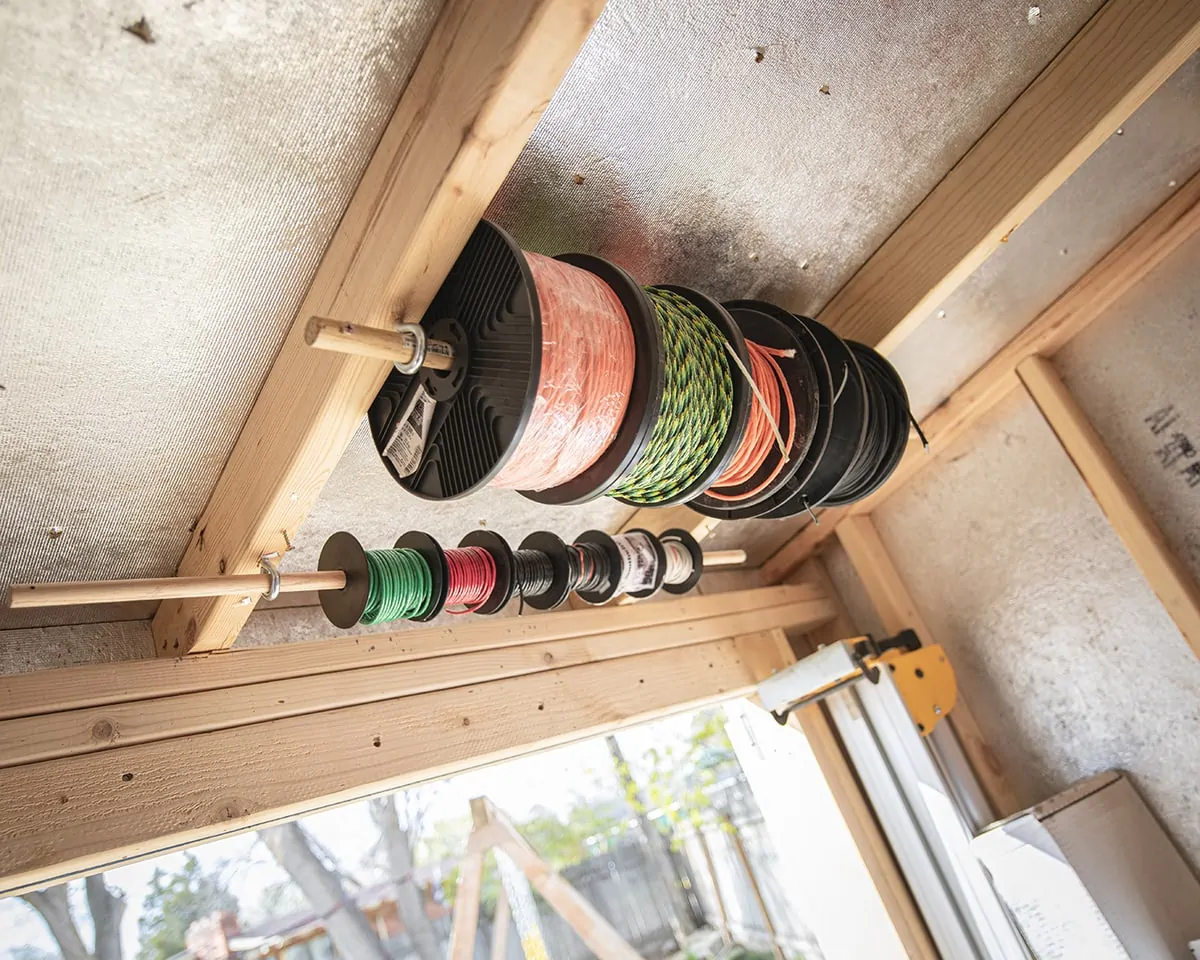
pixel 344 607
pixel 741 396
pixel 847 431
pixel 435 558
pixel 887 430
pixel 693 548
pixel 609 548
pixel 660 565
pixel 768 325
pixel 645 393
pixel 826 387
pixel 560 586
pixel 501 555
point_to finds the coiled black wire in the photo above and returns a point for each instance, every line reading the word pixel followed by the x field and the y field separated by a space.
pixel 888 416
pixel 591 571
pixel 533 573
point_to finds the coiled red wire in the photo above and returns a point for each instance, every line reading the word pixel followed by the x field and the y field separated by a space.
pixel 585 378
pixel 761 427
pixel 471 580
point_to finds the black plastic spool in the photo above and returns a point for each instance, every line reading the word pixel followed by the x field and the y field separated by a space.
pixel 741 399
pixel 487 310
pixel 764 324
pixel 560 586
pixel 435 559
pixel 660 568
pixel 501 555
pixel 847 433
pixel 888 396
pixel 645 393
pixel 607 544
pixel 344 607
pixel 822 424
pixel 693 547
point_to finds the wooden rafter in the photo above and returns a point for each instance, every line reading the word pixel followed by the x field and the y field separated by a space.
pixel 366 727
pixel 487 73
pixel 1129 262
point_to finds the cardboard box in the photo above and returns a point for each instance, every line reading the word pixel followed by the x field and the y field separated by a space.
pixel 1090 875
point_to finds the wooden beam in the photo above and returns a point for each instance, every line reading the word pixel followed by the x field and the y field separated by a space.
pixel 1126 265
pixel 93 685
pixel 1131 520
pixel 856 810
pixel 658 519
pixel 1119 58
pixel 896 609
pixel 487 73
pixel 71 732
pixel 466 907
pixel 62 818
pixel 501 920
pixel 595 932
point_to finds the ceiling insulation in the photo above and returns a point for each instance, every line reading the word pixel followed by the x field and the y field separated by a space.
pixel 163 207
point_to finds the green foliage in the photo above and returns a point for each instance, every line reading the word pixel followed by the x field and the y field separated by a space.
pixel 174 902
pixel 565 842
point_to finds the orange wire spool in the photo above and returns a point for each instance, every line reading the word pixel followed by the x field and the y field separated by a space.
pixel 762 429
pixel 584 384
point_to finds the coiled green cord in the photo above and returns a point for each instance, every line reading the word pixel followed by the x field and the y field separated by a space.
pixel 401 586
pixel 697 404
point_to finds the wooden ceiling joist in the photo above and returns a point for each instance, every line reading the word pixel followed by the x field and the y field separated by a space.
pixel 1126 265
pixel 158 765
pixel 487 73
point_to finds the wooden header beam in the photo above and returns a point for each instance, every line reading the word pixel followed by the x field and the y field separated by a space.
pixel 170 756
pixel 487 73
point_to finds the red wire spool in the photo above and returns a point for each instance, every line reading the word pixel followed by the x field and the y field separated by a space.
pixel 471 578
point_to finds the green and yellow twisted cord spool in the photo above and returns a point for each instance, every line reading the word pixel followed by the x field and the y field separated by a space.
pixel 697 404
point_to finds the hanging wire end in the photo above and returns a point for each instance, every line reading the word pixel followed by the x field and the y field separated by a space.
pixel 920 432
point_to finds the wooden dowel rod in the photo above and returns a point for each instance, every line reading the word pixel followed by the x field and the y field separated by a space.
pixel 251 584
pixel 166 588
pixel 724 558
pixel 326 334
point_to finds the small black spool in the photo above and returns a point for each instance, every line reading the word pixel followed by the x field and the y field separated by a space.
pixel 342 551
pixel 488 310
pixel 822 424
pixel 660 567
pixel 501 555
pixel 765 324
pixel 607 544
pixel 741 398
pixel 645 393
pixel 552 546
pixel 435 558
pixel 693 547
pixel 847 433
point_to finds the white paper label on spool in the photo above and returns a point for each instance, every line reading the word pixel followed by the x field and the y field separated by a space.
pixel 637 562
pixel 406 445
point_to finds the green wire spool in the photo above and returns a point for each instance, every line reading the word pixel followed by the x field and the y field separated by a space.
pixel 705 402
pixel 406 583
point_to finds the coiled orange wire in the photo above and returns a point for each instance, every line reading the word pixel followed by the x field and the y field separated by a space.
pixel 761 427
pixel 585 378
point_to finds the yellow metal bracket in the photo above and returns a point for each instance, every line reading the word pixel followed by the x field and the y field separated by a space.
pixel 926 683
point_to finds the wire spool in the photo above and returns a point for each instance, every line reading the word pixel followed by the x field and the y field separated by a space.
pixel 684 561
pixel 798 418
pixel 632 563
pixel 705 401
pixel 616 455
pixel 847 430
pixel 542 571
pixel 405 583
pixel 502 559
pixel 887 429
pixel 512 344
pixel 791 480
